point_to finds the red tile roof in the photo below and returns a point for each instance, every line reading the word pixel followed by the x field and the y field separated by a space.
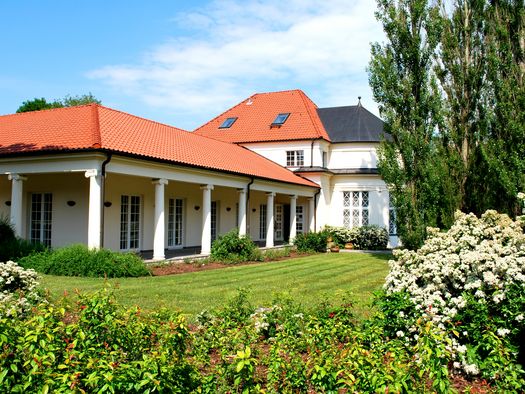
pixel 93 126
pixel 255 115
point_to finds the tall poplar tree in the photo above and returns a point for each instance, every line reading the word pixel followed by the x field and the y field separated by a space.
pixel 461 69
pixel 505 148
pixel 405 87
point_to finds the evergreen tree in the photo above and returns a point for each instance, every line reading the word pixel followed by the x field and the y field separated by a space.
pixel 405 87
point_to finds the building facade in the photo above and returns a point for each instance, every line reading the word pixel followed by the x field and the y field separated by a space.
pixel 272 166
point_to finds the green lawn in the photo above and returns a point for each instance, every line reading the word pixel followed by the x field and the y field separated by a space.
pixel 306 279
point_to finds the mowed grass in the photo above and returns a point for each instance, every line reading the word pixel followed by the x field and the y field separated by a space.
pixel 307 279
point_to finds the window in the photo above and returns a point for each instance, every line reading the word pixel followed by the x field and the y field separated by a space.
pixel 325 159
pixel 41 217
pixel 294 158
pixel 214 220
pixel 262 221
pixel 280 119
pixel 355 209
pixel 227 123
pixel 175 222
pixel 278 222
pixel 392 228
pixel 129 222
pixel 299 219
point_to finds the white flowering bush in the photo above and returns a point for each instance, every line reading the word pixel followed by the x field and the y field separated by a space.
pixel 470 282
pixel 18 289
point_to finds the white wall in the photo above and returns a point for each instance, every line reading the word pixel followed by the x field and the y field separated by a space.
pixel 276 151
pixel 353 155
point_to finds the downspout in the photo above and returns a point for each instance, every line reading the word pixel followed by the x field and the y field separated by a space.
pixel 103 198
pixel 315 209
pixel 312 154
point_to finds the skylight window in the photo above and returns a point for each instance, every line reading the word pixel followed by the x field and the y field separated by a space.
pixel 227 123
pixel 280 119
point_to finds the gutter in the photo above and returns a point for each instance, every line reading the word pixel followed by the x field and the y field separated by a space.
pixel 103 196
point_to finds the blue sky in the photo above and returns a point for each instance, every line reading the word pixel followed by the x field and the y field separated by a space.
pixel 184 62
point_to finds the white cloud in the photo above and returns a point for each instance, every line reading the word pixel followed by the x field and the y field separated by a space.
pixel 236 48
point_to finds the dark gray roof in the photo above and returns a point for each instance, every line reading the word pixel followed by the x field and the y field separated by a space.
pixel 351 124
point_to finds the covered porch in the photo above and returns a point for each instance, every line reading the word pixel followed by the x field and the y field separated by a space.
pixel 159 210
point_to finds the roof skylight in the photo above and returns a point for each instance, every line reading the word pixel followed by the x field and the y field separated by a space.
pixel 227 123
pixel 280 119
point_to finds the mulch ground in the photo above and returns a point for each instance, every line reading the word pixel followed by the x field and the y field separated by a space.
pixel 195 266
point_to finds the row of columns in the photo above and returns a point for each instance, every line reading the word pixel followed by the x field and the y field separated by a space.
pixel 95 213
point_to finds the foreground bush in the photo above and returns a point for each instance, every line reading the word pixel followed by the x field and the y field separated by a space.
pixel 470 283
pixel 232 248
pixel 311 242
pixel 370 237
pixel 13 248
pixel 18 289
pixel 78 260
pixel 95 346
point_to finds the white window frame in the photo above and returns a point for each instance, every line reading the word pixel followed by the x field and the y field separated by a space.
pixel 125 240
pixel 392 226
pixel 263 220
pixel 278 222
pixel 40 228
pixel 299 219
pixel 176 223
pixel 294 158
pixel 356 208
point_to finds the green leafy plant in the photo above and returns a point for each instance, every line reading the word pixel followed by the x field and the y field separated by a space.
pixel 12 247
pixel 311 242
pixel 79 260
pixel 232 248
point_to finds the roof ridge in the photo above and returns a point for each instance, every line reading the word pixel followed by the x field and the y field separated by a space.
pixel 222 113
pixel 97 137
pixel 304 97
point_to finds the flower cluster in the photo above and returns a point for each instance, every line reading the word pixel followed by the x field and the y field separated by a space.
pixel 476 263
pixel 17 289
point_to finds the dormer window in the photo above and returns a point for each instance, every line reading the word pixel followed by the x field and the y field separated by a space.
pixel 280 119
pixel 227 123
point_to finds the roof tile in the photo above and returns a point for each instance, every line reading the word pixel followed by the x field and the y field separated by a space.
pixel 96 127
pixel 256 114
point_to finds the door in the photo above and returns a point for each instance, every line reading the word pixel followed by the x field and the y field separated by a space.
pixel 129 222
pixel 175 222
pixel 41 218
pixel 278 222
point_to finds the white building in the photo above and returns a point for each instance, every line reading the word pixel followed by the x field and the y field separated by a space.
pixel 98 176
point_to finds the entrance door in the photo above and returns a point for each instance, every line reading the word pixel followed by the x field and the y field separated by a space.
pixel 129 222
pixel 214 220
pixel 40 225
pixel 175 222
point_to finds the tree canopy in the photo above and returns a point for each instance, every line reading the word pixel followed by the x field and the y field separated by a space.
pixel 38 104
pixel 451 90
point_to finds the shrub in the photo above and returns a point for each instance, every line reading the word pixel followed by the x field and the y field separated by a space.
pixel 78 260
pixel 370 237
pixel 470 281
pixel 13 248
pixel 18 291
pixel 95 345
pixel 311 242
pixel 232 248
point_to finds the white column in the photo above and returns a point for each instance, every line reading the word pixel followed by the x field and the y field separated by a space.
pixel 206 219
pixel 311 212
pixel 158 235
pixel 95 208
pixel 293 217
pixel 269 220
pixel 17 195
pixel 242 212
